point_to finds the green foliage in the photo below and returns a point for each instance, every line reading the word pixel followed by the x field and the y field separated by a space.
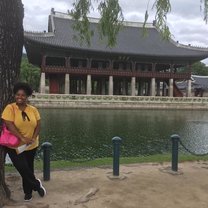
pixel 29 73
pixel 198 68
pixel 109 24
pixel 146 16
pixel 112 19
pixel 82 24
pixel 163 7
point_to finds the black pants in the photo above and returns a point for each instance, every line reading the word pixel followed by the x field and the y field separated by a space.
pixel 24 163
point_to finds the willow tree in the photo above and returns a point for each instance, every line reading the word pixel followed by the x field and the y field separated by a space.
pixel 11 43
pixel 111 18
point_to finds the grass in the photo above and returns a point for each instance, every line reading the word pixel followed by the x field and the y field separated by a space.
pixel 62 164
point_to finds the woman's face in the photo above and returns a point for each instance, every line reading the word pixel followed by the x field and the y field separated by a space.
pixel 21 97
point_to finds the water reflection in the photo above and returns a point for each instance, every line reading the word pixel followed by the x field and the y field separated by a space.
pixel 88 133
pixel 195 136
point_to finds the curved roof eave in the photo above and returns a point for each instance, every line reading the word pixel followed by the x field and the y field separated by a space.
pixel 44 44
pixel 129 41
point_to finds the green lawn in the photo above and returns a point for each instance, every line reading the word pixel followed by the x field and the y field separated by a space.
pixel 160 158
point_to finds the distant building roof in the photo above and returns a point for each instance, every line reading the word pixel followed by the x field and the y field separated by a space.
pixel 198 82
pixel 129 41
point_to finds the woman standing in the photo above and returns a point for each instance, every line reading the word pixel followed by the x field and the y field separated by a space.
pixel 23 121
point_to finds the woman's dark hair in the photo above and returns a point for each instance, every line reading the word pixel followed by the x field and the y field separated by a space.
pixel 23 86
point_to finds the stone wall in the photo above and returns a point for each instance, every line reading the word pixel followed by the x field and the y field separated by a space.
pixel 117 102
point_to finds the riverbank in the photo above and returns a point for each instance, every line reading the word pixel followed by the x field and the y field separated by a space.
pixel 141 185
pixel 117 102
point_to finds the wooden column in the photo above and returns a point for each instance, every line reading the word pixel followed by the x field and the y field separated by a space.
pixel 133 86
pixel 188 93
pixel 110 88
pixel 89 84
pixel 42 83
pixel 170 91
pixel 67 84
pixel 152 90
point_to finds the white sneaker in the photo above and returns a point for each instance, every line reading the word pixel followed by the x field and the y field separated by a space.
pixel 41 191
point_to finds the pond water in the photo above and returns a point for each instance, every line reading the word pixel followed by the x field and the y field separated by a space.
pixel 86 134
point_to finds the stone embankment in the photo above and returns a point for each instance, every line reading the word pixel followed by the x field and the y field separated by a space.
pixel 118 102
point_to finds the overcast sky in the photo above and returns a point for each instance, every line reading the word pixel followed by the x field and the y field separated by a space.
pixel 185 20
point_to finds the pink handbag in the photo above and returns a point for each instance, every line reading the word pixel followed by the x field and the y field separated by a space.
pixel 7 138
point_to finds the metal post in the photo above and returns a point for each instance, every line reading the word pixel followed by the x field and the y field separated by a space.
pixel 116 154
pixel 175 139
pixel 46 146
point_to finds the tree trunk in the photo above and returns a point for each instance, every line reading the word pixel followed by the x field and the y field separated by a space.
pixel 11 43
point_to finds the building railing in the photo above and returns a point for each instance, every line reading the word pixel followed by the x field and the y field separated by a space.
pixel 117 98
pixel 116 73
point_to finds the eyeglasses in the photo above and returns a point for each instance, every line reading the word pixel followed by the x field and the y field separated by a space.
pixel 24 116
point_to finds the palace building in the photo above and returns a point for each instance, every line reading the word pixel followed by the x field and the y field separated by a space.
pixel 136 66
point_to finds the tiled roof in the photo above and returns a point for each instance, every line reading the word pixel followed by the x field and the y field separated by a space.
pixel 198 82
pixel 129 41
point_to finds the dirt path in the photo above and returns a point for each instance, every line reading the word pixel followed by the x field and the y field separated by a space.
pixel 145 186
